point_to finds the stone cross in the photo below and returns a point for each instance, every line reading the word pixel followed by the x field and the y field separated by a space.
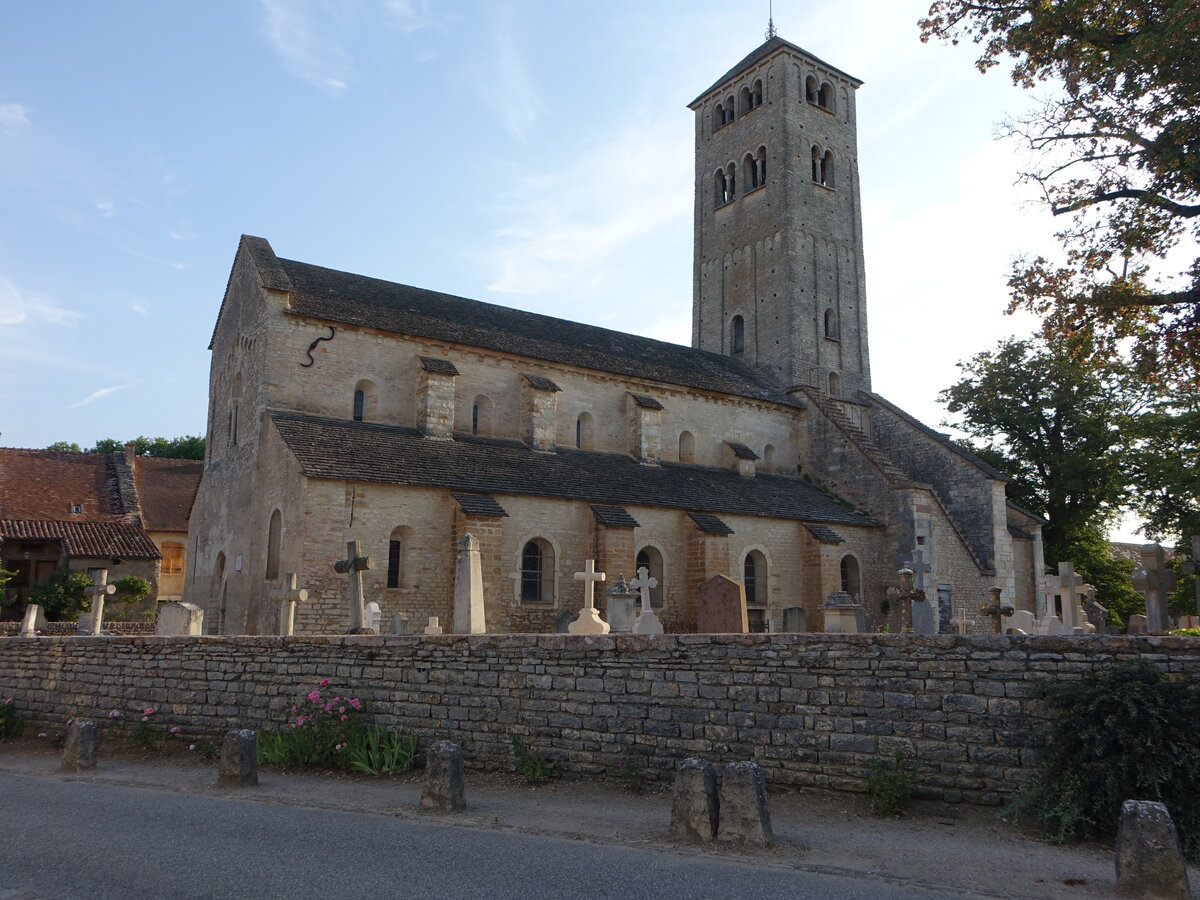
pixel 961 622
pixel 433 627
pixel 98 591
pixel 919 568
pixel 288 595
pixel 589 621
pixel 1069 588
pixel 354 565
pixel 996 610
pixel 647 621
pixel 29 621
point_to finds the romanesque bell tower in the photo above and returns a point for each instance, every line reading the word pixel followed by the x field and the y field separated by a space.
pixel 779 279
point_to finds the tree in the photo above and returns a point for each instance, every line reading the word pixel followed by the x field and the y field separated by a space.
pixel 65 447
pixel 63 595
pixel 1117 151
pixel 186 447
pixel 1166 467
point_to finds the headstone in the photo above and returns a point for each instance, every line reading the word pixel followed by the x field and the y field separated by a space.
pixel 1070 590
pixel 371 616
pixel 238 763
pixel 744 817
pixel 621 613
pixel 399 624
pixel 1138 624
pixel 444 788
pixel 647 621
pixel 722 607
pixel 1149 858
pixel 794 619
pixel 433 627
pixel 589 621
pixel 33 621
pixel 924 615
pixel 562 622
pixel 354 565
pixel 98 591
pixel 1053 625
pixel 694 806
pixel 179 619
pixel 468 588
pixel 79 751
pixel 840 613
pixel 1023 621
pixel 1097 616
pixel 288 595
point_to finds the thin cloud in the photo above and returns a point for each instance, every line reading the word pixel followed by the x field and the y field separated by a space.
pixel 106 209
pixel 138 308
pixel 13 117
pixel 304 46
pixel 411 15
pixel 96 395
pixel 507 86
pixel 17 307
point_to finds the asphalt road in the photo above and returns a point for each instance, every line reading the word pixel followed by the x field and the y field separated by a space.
pixel 69 840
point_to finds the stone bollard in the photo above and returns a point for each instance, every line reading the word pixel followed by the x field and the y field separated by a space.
pixel 238 764
pixel 745 818
pixel 1150 862
pixel 79 752
pixel 444 789
pixel 695 806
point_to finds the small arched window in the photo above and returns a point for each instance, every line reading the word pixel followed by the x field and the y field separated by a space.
pixel 833 384
pixel 359 402
pixel 650 559
pixel 729 109
pixel 751 168
pixel 768 462
pixel 830 324
pixel 754 577
pixel 687 447
pixel 718 116
pixel 397 544
pixel 851 583
pixel 810 89
pixel 825 96
pixel 720 198
pixel 537 572
pixel 756 94
pixel 760 162
pixel 481 415
pixel 274 540
pixel 366 401
pixel 737 335
pixel 585 432
pixel 827 169
pixel 745 105
pixel 235 402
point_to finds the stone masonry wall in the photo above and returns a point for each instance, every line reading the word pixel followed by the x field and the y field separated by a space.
pixel 810 709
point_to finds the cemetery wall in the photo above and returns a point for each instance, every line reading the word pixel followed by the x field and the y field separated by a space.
pixel 811 709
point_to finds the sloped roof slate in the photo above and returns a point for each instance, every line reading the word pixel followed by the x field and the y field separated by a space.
pixel 613 516
pixel 165 490
pixel 761 52
pixel 44 484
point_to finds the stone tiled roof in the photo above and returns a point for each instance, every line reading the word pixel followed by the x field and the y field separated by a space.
pixel 341 297
pixel 710 524
pixel 439 365
pixel 761 52
pixel 114 539
pixel 613 516
pixel 44 484
pixel 480 505
pixel 741 451
pixel 541 383
pixel 825 534
pixel 391 454
pixel 942 439
pixel 646 402
pixel 165 490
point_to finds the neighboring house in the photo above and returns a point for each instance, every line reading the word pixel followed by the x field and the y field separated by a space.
pixel 343 407
pixel 89 511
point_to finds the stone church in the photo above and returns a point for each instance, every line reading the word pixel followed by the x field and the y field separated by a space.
pixel 342 407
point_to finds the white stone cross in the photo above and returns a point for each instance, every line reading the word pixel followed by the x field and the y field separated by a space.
pixel 647 621
pixel 433 627
pixel 1069 585
pixel 98 591
pixel 919 568
pixel 961 622
pixel 589 621
pixel 354 565
pixel 288 595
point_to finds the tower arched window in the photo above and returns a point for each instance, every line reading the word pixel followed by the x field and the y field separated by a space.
pixel 831 329
pixel 811 89
pixel 834 384
pixel 235 403
pixel 720 195
pixel 585 432
pixel 718 116
pixel 756 93
pixel 687 447
pixel 825 96
pixel 760 164
pixel 737 335
pixel 751 167
pixel 827 169
pixel 650 559
pixel 729 109
pixel 274 542
pixel 537 572
pixel 851 580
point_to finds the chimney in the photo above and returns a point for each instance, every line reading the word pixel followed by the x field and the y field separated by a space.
pixel 539 409
pixel 435 398
pixel 645 428
pixel 130 453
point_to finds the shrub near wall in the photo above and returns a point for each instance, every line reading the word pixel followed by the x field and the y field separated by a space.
pixel 811 709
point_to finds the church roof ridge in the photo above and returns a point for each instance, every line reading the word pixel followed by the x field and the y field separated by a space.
pixel 344 297
pixel 761 52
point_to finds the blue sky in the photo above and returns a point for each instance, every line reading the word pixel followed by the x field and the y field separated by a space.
pixel 531 153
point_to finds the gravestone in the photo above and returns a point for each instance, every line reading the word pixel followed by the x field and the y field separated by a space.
pixel 238 763
pixel 433 627
pixel 371 616
pixel 1053 625
pixel 354 565
pixel 1138 624
pixel 98 591
pixel 79 751
pixel 287 595
pixel 444 786
pixel 694 805
pixel 647 621
pixel 1149 858
pixel 33 621
pixel 468 588
pixel 1070 591
pixel 399 624
pixel 722 607
pixel 924 616
pixel 841 614
pixel 589 621
pixel 179 619
pixel 794 619
pixel 744 817
pixel 562 622
pixel 621 613
pixel 1022 621
pixel 1097 615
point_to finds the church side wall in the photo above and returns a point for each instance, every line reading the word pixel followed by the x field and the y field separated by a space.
pixel 811 710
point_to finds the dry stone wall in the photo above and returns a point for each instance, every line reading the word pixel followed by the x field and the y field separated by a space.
pixel 809 709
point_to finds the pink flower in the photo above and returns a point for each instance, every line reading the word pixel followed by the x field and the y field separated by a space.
pixel 175 729
pixel 145 718
pixel 149 711
pixel 342 709
pixel 344 718
pixel 314 697
pixel 114 714
pixel 324 682
pixel 356 703
pixel 299 721
pixel 191 746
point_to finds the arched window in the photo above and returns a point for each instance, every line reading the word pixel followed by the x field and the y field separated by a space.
pixel 719 188
pixel 810 89
pixel 359 403
pixel 481 415
pixel 366 401
pixel 687 447
pixel 737 335
pixel 830 324
pixel 585 432
pixel 172 558
pixel 754 577
pixel 718 116
pixel 724 184
pixel 833 384
pixel 760 165
pixel 768 462
pixel 729 109
pixel 650 559
pixel 825 96
pixel 756 93
pixel 397 542
pixel 827 169
pixel 235 402
pixel 851 583
pixel 274 539
pixel 217 623
pixel 537 572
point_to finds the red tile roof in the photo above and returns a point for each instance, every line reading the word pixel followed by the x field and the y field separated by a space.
pixel 85 538
pixel 46 484
pixel 165 489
